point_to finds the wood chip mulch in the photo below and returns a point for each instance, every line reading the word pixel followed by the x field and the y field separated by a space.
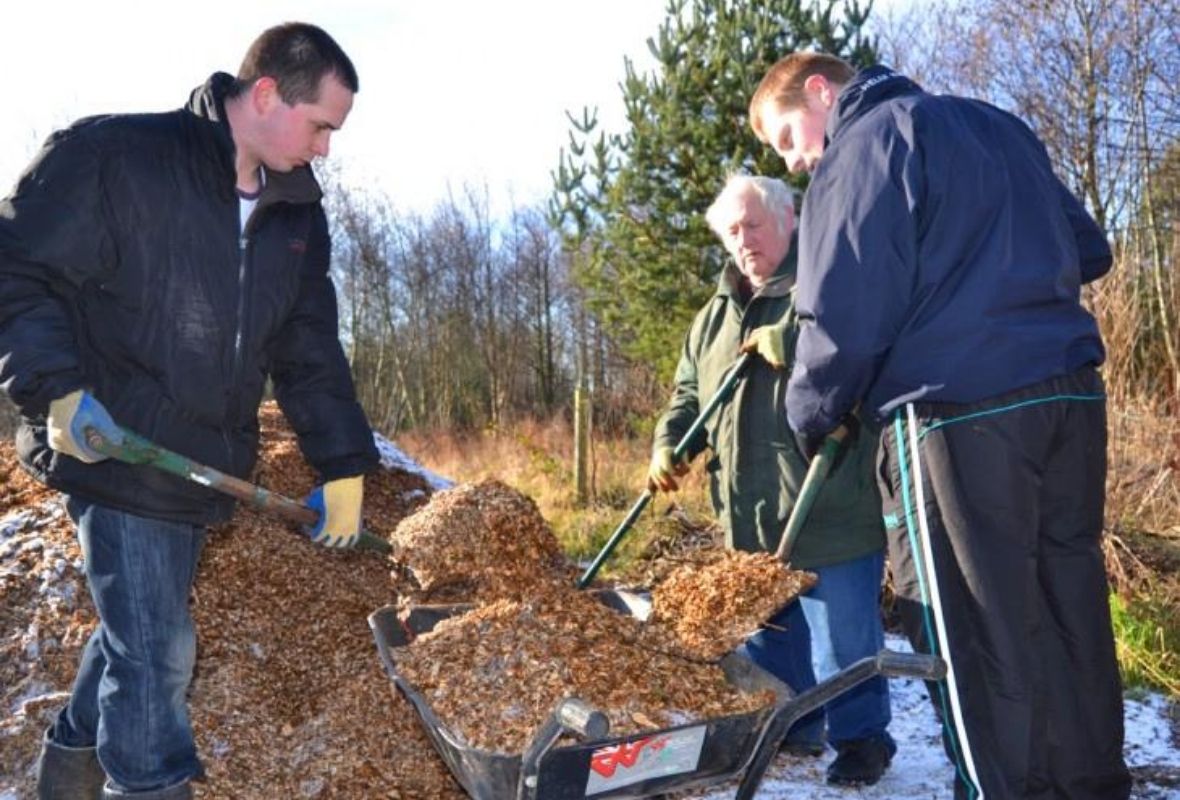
pixel 494 674
pixel 289 698
pixel 711 608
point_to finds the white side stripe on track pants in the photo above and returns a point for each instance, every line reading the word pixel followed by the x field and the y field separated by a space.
pixel 925 561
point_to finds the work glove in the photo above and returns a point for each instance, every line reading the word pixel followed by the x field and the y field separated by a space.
pixel 663 472
pixel 770 342
pixel 339 505
pixel 68 419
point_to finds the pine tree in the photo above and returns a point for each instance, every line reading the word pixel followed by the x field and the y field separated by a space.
pixel 632 204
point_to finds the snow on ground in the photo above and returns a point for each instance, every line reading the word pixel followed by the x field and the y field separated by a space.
pixel 920 768
pixel 392 457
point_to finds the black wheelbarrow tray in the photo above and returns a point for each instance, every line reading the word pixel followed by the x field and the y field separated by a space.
pixel 697 754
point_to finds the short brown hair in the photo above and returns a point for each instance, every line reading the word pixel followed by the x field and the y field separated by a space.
pixel 297 55
pixel 783 83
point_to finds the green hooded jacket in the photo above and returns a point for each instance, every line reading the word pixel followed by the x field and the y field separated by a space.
pixel 756 468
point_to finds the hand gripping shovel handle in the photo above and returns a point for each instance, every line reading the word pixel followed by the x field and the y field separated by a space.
pixel 134 449
pixel 720 397
pixel 817 473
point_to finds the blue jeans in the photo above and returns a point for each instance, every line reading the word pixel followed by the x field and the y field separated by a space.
pixel 128 698
pixel 831 627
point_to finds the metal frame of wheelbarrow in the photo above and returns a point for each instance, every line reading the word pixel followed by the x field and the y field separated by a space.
pixel 701 753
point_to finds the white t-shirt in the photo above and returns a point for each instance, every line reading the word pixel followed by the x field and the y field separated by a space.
pixel 247 201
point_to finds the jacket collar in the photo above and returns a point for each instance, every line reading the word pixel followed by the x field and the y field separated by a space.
pixel 207 102
pixel 780 284
pixel 867 88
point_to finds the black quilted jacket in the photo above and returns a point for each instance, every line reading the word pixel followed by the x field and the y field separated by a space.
pixel 123 269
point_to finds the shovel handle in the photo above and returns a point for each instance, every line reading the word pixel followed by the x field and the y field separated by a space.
pixel 719 398
pixel 817 473
pixel 134 449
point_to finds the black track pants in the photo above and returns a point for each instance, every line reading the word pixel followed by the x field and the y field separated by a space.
pixel 994 513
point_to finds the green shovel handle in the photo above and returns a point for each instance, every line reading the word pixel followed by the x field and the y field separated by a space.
pixel 817 473
pixel 720 397
pixel 134 449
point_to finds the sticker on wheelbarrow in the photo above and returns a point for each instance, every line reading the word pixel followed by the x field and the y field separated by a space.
pixel 656 756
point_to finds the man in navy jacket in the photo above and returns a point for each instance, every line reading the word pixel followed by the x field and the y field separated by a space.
pixel 940 267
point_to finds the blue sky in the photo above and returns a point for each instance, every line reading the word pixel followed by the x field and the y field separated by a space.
pixel 452 93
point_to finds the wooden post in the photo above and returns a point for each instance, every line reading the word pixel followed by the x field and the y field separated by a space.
pixel 581 444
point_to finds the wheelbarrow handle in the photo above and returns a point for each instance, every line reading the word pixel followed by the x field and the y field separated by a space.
pixel 134 449
pixel 719 398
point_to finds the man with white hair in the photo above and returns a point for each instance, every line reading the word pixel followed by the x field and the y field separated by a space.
pixel 756 471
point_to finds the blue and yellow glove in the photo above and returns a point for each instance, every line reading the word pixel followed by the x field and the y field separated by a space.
pixel 770 342
pixel 339 505
pixel 68 419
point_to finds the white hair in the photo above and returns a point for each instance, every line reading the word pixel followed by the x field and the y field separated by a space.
pixel 775 195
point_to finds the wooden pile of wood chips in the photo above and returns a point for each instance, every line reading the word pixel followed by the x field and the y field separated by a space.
pixel 477 542
pixel 710 608
pixel 289 698
pixel 495 673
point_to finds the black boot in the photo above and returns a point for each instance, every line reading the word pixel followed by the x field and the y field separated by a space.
pixel 68 773
pixel 861 762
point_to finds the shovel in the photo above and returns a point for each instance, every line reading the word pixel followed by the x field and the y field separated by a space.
pixel 720 397
pixel 134 449
pixel 817 473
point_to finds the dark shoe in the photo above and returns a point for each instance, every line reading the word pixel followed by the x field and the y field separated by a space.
pixel 68 773
pixel 861 762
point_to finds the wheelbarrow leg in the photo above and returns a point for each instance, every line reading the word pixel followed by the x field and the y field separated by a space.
pixel 887 662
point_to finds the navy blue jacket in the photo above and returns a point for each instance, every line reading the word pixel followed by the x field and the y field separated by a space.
pixel 940 257
pixel 123 270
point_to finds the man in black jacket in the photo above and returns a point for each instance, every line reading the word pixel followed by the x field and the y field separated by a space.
pixel 940 264
pixel 155 271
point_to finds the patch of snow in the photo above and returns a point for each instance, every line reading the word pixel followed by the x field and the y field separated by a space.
pixel 34 690
pixel 920 770
pixel 29 519
pixel 392 457
pixel 312 788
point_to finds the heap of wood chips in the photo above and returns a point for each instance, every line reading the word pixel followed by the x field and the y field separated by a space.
pixel 711 608
pixel 495 673
pixel 289 698
pixel 477 542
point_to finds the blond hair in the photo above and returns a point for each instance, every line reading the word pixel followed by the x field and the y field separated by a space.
pixel 783 83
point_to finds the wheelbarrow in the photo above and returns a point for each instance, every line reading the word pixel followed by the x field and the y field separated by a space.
pixel 697 754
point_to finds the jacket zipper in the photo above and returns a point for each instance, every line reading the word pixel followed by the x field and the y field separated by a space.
pixel 243 253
